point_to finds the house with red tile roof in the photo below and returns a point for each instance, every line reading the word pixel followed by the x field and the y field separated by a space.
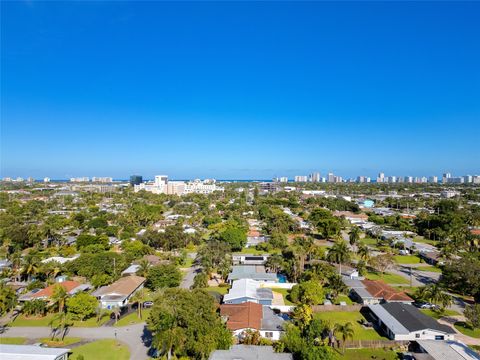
pixel 71 287
pixel 252 316
pixel 370 292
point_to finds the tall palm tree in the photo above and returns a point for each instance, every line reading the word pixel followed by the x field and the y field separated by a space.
pixel 59 297
pixel 139 298
pixel 345 331
pixel 354 235
pixel 30 266
pixel 435 294
pixel 364 252
pixel 339 253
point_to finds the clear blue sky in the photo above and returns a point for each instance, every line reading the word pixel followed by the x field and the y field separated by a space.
pixel 239 90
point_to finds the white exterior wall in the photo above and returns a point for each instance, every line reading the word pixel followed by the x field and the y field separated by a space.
pixel 263 333
pixel 423 335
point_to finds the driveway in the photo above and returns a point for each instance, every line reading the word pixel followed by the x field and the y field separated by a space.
pixel 190 273
pixel 136 337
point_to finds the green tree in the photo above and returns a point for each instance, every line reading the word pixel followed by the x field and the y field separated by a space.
pixel 302 315
pixel 59 297
pixel 339 253
pixel 8 298
pixel 345 331
pixel 82 306
pixel 163 276
pixel 308 292
pixel 235 237
pixel 190 316
pixel 354 235
pixel 200 281
pixel 472 313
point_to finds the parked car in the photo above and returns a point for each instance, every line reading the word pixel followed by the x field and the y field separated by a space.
pixel 408 356
pixel 148 304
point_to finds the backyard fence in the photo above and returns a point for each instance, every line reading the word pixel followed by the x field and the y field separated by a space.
pixel 374 344
pixel 325 308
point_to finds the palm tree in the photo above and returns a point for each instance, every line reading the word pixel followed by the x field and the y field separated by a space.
pixel 435 294
pixel 364 252
pixel 59 297
pixel 139 298
pixel 275 262
pixel 339 253
pixel 346 332
pixel 354 235
pixel 144 266
pixel 167 341
pixel 30 266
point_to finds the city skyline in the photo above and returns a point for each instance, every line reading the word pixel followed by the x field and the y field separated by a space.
pixel 239 90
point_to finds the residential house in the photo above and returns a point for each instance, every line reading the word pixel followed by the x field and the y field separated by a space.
pixel 244 290
pixel 131 270
pixel 32 352
pixel 249 259
pixel 249 352
pixel 254 272
pixel 71 287
pixel 443 350
pixel 252 316
pixel 405 322
pixel 431 257
pixel 120 292
pixel 369 292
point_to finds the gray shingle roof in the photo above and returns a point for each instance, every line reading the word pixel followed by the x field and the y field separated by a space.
pixel 413 319
pixel 249 352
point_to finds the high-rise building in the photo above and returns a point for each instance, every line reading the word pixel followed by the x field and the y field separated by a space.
pixel 301 178
pixel 381 178
pixel 136 180
pixel 284 179
pixel 315 177
pixel 433 179
pixel 102 179
pixel 446 178
pixel 331 178
pixel 46 180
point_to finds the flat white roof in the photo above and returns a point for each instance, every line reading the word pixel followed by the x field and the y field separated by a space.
pixel 30 352
pixel 448 350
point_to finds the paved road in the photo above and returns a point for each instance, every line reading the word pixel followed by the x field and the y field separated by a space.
pixel 190 273
pixel 136 337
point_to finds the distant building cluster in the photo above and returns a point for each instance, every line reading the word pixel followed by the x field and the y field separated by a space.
pixel 161 185
pixel 94 179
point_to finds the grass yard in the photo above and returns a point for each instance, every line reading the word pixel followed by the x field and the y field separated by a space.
pixel 102 350
pixel 133 318
pixel 57 342
pixel 388 278
pixel 354 317
pixel 344 298
pixel 369 241
pixel 467 330
pixel 407 259
pixel 285 293
pixel 12 340
pixel 368 354
pixel 44 321
pixel 425 241
pixel 429 268
pixel 222 290
pixel 437 315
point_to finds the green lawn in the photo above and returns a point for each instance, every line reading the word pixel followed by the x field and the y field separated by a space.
pixel 425 241
pixel 344 298
pixel 102 350
pixel 407 259
pixel 12 340
pixel 354 317
pixel 222 290
pixel 368 354
pixel 429 268
pixel 467 330
pixel 133 318
pixel 285 293
pixel 44 321
pixel 59 343
pixel 369 241
pixel 437 315
pixel 253 251
pixel 388 278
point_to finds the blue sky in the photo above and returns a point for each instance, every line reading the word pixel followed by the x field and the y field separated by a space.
pixel 239 90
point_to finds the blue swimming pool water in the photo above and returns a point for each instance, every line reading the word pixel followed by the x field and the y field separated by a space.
pixel 281 278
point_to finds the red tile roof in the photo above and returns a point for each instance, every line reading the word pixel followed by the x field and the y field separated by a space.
pixel 475 231
pixel 379 289
pixel 48 291
pixel 242 316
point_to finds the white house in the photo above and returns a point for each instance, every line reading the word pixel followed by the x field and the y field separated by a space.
pixel 119 293
pixel 32 352
pixel 405 322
